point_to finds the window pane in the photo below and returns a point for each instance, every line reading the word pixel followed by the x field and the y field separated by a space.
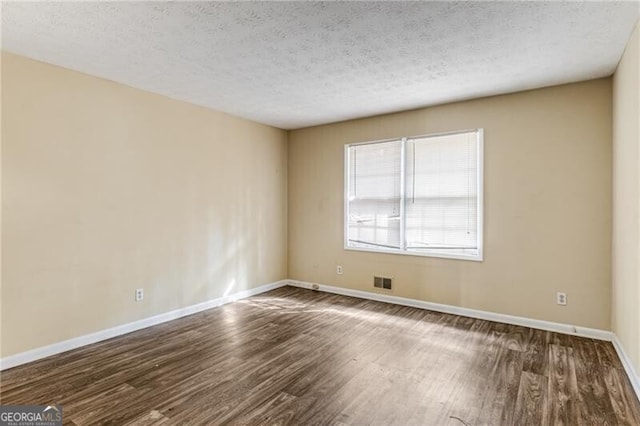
pixel 374 176
pixel 442 198
pixel 417 195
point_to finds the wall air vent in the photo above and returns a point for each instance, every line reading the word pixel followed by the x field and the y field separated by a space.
pixel 386 283
pixel 382 282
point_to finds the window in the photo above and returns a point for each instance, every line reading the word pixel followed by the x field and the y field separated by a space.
pixel 419 195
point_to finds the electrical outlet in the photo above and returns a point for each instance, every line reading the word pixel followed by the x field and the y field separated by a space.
pixel 339 270
pixel 561 298
pixel 139 294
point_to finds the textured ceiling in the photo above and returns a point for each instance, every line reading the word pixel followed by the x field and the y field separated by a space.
pixel 296 64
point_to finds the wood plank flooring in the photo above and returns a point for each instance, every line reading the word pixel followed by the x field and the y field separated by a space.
pixel 294 356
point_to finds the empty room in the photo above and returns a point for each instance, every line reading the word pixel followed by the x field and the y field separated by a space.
pixel 320 213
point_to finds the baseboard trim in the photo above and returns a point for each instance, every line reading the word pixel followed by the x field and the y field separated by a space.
pixel 466 312
pixel 76 342
pixel 628 365
pixel 490 316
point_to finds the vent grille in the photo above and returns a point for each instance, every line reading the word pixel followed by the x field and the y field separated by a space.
pixel 382 282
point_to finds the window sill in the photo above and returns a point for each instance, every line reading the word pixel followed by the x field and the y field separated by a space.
pixel 472 257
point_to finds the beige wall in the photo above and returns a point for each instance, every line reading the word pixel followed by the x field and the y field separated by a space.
pixel 547 224
pixel 0 204
pixel 626 200
pixel 106 188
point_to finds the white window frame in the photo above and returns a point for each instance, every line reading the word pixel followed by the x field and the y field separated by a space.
pixel 480 188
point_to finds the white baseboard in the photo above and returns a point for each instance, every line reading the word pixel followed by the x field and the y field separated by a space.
pixel 490 316
pixel 466 312
pixel 56 348
pixel 628 365
pixel 76 342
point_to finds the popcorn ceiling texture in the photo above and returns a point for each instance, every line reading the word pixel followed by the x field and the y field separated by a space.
pixel 297 64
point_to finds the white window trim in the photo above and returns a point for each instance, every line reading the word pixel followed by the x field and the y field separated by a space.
pixel 480 158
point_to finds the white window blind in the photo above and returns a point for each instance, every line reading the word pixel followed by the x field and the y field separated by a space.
pixel 374 194
pixel 418 195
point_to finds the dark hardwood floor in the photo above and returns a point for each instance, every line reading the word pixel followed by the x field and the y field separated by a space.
pixel 294 356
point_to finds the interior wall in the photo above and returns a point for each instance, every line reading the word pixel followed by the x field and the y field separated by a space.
pixel 626 200
pixel 0 200
pixel 547 206
pixel 106 189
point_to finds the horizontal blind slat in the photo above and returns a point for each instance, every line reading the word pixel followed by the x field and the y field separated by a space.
pixel 374 194
pixel 442 211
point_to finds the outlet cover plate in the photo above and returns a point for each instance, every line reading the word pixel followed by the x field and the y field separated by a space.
pixel 561 298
